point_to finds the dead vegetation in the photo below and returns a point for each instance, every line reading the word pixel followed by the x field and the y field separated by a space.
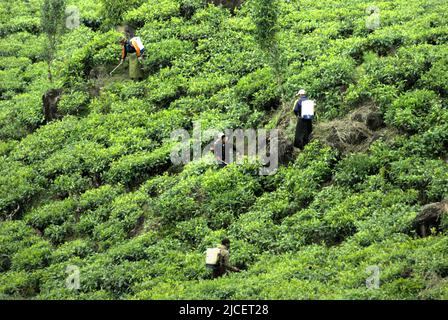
pixel 353 133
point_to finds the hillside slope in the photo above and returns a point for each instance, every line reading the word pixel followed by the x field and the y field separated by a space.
pixel 96 189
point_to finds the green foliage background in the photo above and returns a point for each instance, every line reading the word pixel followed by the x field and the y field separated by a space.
pixel 97 189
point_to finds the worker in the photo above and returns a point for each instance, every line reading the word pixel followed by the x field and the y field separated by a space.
pixel 220 144
pixel 304 127
pixel 134 45
pixel 223 264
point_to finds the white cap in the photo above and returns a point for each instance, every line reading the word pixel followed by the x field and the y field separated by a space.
pixel 301 91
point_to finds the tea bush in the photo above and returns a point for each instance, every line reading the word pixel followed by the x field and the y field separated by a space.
pixel 18 184
pixel 414 111
pixel 354 169
pixel 55 213
pixel 429 176
pixel 96 188
pixel 31 258
pixel 73 103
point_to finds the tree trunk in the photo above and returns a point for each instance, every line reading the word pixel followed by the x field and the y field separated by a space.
pixel 50 76
pixel 49 104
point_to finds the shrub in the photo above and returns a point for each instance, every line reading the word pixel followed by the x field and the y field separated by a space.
pixel 354 169
pixel 133 249
pixel 108 233
pixel 96 188
pixel 259 90
pixel 114 11
pixel 256 229
pixel 164 52
pixel 227 194
pixel 414 111
pixel 386 40
pixel 58 234
pixel 192 231
pixel 126 90
pixel 150 11
pixel 189 7
pixel 309 171
pixel 69 185
pixel 14 236
pixel 84 158
pixel 31 258
pixel 217 196
pixel 134 168
pixel 54 213
pixel 73 103
pixel 21 115
pixel 429 177
pixel 341 220
pixel 18 183
pixel 28 44
pixel 94 198
pixel 432 142
pixel 436 77
pixel 11 80
pixel 165 88
pixel 384 223
pixel 46 140
pixel 129 209
pixel 18 284
pixel 301 228
pixel 76 248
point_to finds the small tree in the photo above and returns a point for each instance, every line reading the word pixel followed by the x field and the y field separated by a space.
pixel 113 11
pixel 52 23
pixel 265 16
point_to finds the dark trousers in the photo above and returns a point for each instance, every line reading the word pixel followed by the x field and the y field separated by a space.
pixel 304 128
pixel 218 272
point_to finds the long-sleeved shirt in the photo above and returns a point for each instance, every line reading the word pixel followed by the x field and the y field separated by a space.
pixel 298 105
pixel 130 47
pixel 225 258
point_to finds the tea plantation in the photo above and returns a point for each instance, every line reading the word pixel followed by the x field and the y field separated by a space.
pixel 95 187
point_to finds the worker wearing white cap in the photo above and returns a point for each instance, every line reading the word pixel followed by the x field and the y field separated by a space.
pixel 304 126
